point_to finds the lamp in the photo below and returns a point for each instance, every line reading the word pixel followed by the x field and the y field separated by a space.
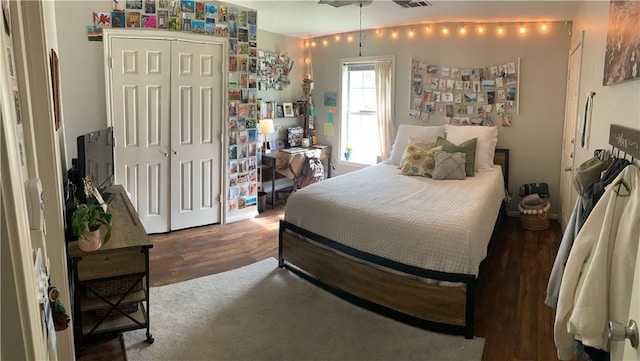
pixel 266 127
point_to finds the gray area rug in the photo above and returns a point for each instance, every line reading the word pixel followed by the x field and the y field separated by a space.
pixel 262 312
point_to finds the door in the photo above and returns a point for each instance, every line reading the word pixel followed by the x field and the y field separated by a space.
pixel 567 192
pixel 141 78
pixel 196 123
pixel 627 352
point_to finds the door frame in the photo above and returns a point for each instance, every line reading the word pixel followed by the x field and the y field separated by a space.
pixel 566 137
pixel 110 34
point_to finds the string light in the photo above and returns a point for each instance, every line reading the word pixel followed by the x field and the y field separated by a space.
pixel 444 29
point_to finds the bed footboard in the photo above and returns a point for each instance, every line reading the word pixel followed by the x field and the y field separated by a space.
pixel 387 287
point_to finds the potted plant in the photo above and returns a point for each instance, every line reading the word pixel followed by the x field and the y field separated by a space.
pixel 86 222
pixel 347 152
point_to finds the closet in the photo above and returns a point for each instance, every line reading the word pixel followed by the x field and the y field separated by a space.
pixel 165 101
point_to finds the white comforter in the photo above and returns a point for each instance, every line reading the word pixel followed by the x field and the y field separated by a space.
pixel 442 225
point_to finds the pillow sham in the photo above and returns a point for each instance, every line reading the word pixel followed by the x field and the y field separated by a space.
pixel 485 147
pixel 417 142
pixel 468 148
pixel 419 162
pixel 402 139
pixel 449 166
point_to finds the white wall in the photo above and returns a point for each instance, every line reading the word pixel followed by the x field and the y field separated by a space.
pixel 535 137
pixel 81 71
pixel 615 104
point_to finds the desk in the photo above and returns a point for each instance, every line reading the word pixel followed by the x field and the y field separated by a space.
pixel 109 286
pixel 276 159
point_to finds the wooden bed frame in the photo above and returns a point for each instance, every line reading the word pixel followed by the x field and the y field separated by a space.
pixel 387 287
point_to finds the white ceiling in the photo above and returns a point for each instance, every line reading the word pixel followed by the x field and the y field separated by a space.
pixel 301 18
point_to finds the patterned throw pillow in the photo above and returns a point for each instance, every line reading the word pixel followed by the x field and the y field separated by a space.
pixel 419 162
pixel 419 143
pixel 449 166
pixel 468 148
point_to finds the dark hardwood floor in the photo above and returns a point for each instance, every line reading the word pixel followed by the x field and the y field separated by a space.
pixel 510 310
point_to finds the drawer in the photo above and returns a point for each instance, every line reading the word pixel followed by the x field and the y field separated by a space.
pixel 111 264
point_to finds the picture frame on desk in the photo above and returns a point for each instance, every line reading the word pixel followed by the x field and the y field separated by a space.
pixel 288 110
pixel 272 144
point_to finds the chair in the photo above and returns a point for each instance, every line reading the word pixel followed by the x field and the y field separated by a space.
pixel 292 171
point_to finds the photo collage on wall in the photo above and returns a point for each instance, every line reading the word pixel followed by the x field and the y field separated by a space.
pixel 210 18
pixel 464 96
pixel 273 70
pixel 243 137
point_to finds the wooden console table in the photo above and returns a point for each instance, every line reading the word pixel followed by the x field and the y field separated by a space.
pixel 110 286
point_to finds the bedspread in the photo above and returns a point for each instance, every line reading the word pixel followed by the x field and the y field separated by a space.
pixel 442 225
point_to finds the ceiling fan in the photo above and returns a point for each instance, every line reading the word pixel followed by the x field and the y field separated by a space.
pixel 339 3
pixel 401 3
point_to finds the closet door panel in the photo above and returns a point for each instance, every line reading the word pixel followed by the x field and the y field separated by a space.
pixel 141 79
pixel 196 126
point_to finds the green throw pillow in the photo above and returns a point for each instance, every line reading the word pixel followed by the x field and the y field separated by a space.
pixel 468 148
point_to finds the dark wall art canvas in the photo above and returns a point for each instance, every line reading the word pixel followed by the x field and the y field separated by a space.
pixel 622 55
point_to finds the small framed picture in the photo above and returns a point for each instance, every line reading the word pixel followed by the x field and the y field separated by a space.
pixel 279 111
pixel 288 109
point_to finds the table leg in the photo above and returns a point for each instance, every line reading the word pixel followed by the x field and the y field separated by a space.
pixel 273 184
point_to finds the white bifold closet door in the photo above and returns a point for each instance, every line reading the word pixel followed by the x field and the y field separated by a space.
pixel 167 118
pixel 196 101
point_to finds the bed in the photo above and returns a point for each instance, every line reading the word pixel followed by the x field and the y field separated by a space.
pixel 409 248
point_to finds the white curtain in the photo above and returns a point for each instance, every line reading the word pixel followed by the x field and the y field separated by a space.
pixel 383 104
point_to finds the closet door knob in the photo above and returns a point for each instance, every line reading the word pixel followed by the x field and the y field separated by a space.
pixel 567 169
pixel 618 332
pixel 164 153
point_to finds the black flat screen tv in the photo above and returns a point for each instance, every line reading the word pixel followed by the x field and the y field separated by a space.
pixel 95 157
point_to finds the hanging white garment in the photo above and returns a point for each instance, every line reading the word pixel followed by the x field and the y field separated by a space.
pixel 596 285
pixel 569 236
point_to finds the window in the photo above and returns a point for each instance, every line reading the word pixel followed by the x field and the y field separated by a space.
pixel 359 118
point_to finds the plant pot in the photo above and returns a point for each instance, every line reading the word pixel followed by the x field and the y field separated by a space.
pixel 347 155
pixel 90 241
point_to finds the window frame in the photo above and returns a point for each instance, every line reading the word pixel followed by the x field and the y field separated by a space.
pixel 342 98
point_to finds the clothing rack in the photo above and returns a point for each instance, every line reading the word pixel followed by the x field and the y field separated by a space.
pixel 575 289
pixel 625 139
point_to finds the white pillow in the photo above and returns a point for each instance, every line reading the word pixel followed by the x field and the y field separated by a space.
pixel 485 146
pixel 427 133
